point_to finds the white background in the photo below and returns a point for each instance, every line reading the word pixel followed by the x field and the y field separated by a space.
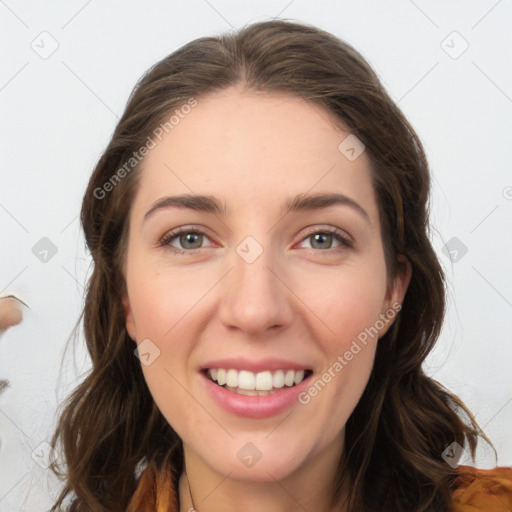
pixel 57 115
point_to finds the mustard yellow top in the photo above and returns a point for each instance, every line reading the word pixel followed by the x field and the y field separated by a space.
pixel 483 490
pixel 474 490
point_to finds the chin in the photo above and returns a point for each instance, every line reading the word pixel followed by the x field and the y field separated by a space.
pixel 260 460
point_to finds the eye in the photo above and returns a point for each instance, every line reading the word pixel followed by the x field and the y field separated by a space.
pixel 189 240
pixel 323 239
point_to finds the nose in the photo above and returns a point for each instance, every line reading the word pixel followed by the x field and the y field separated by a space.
pixel 255 298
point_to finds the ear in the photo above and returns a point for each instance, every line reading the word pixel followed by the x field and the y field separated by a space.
pixel 128 314
pixel 395 293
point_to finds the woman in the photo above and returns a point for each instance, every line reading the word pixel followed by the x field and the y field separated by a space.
pixel 275 364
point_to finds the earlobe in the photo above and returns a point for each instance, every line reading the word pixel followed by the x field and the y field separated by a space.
pixel 129 322
pixel 396 293
pixel 402 279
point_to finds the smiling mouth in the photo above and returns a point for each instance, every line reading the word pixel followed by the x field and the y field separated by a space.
pixel 248 383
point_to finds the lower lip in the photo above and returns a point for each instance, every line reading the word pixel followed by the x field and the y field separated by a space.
pixel 255 406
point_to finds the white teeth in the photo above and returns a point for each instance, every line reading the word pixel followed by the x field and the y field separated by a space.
pixel 245 380
pixel 248 382
pixel 221 376
pixel 278 379
pixel 288 378
pixel 264 381
pixel 299 377
pixel 232 378
pixel 248 392
pixel 251 392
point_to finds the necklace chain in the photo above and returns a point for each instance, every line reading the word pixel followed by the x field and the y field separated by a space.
pixel 190 493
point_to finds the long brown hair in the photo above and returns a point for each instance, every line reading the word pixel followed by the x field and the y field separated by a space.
pixel 110 428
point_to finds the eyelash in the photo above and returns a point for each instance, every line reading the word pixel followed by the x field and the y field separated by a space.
pixel 345 241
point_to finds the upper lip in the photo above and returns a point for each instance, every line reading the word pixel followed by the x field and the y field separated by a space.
pixel 242 363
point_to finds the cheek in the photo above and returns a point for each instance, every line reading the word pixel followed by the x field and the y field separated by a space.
pixel 160 301
pixel 346 304
pixel 345 327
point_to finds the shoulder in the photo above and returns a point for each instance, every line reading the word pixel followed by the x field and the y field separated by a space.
pixel 485 490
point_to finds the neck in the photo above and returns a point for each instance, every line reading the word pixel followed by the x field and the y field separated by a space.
pixel 308 488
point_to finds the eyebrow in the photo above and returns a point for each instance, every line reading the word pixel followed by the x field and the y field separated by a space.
pixel 301 202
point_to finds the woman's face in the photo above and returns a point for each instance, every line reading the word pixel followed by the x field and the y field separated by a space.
pixel 268 281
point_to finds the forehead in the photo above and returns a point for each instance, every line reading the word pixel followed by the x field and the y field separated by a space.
pixel 253 148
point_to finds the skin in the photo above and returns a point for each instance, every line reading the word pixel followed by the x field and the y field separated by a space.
pixel 11 312
pixel 298 301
